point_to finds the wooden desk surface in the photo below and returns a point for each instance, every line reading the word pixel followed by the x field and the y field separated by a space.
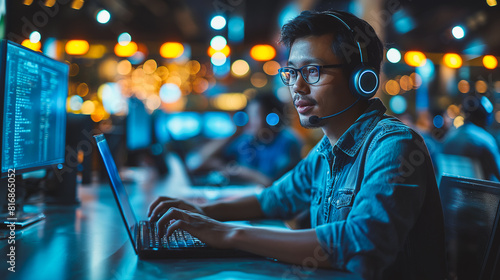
pixel 89 241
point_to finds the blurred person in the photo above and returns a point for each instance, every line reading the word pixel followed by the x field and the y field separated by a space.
pixel 258 152
pixel 369 184
pixel 472 140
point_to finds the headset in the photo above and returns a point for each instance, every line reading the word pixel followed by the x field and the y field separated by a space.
pixel 363 81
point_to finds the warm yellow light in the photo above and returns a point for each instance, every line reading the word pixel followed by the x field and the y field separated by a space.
pixel 27 2
pixel 490 62
pixel 88 107
pixel 50 3
pixel 240 68
pixel 125 51
pixel 415 58
pixel 200 85
pixel 416 80
pixel 258 79
pixel 453 111
pixel 262 52
pixel 153 102
pixel 226 51
pixel 149 66
pixel 491 3
pixel 230 101
pixel 458 121
pixel 82 89
pixel 124 67
pixel 392 87
pixel 452 60
pixel 481 86
pixel 193 67
pixel 96 51
pixel 77 47
pixel 77 4
pixel 271 67
pixel 406 83
pixel 34 46
pixel 463 86
pixel 171 50
pixel 497 116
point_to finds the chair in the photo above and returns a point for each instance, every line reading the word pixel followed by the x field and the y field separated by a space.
pixel 471 218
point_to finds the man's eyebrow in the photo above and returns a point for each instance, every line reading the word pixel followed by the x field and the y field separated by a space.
pixel 306 62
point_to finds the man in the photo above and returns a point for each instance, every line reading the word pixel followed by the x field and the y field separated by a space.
pixel 472 140
pixel 369 183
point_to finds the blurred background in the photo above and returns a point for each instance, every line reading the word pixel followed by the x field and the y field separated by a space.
pixel 169 73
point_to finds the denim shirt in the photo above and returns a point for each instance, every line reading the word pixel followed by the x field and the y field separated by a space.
pixel 373 200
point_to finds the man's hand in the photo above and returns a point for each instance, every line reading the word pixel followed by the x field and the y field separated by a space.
pixel 162 204
pixel 210 231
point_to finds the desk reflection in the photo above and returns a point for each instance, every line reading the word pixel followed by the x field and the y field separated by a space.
pixel 89 241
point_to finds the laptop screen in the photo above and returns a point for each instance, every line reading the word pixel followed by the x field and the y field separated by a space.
pixel 118 190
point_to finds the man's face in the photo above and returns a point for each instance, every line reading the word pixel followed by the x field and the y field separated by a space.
pixel 331 93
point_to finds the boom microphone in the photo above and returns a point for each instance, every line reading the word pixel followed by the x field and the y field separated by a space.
pixel 316 119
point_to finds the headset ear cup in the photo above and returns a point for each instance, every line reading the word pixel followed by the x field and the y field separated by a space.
pixel 364 82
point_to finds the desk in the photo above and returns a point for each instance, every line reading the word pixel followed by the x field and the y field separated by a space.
pixel 89 241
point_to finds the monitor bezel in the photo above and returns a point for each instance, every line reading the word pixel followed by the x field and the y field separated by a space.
pixel 3 64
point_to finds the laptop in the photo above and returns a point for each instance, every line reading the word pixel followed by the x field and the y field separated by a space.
pixel 146 243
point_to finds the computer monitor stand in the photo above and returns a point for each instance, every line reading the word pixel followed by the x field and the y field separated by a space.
pixel 12 215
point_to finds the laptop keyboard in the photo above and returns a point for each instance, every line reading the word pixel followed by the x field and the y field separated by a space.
pixel 179 239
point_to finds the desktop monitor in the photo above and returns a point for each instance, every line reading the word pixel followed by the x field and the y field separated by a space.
pixel 139 126
pixel 34 89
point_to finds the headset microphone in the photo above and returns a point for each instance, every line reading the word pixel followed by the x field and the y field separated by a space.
pixel 316 119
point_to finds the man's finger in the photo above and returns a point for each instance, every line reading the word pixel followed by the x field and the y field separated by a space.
pixel 155 203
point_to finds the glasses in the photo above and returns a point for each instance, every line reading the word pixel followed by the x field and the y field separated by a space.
pixel 310 73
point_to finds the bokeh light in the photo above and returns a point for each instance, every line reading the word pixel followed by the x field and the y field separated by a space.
pixel 398 104
pixel 393 55
pixel 240 68
pixel 124 39
pixel 35 37
pixel 458 32
pixel 452 60
pixel 490 62
pixel 32 46
pixel 463 86
pixel 392 87
pixel 77 47
pixel 103 16
pixel 481 86
pixel 218 42
pixel 170 93
pixel 262 52
pixel 218 22
pixel 126 51
pixel 415 58
pixel 271 67
pixel 272 119
pixel 171 50
pixel 240 118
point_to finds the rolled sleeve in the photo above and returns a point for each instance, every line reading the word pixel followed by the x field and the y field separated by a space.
pixel 290 194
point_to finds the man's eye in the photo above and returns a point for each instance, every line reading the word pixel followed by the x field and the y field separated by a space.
pixel 312 70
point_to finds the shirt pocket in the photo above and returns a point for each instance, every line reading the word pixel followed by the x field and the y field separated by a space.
pixel 341 205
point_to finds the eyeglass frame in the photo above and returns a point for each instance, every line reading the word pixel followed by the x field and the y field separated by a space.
pixel 318 67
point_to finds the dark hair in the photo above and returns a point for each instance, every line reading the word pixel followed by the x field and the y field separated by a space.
pixel 269 102
pixel 344 43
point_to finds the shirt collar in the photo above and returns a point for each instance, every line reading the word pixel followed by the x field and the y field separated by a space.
pixel 353 138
